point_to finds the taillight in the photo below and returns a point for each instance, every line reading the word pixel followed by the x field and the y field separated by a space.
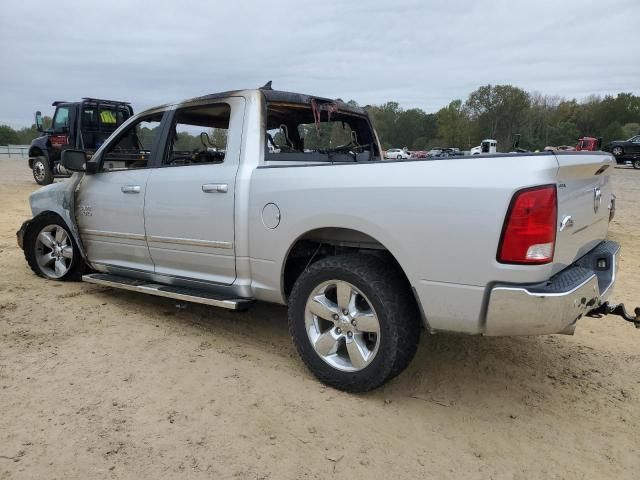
pixel 529 232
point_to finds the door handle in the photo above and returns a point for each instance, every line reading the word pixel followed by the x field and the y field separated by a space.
pixel 567 222
pixel 215 188
pixel 130 189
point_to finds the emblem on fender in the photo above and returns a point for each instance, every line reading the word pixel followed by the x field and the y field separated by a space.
pixel 86 210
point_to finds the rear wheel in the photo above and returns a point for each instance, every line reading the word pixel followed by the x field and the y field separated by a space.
pixel 399 157
pixel 617 151
pixel 51 251
pixel 354 321
pixel 42 173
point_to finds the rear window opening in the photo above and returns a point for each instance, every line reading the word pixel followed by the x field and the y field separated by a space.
pixel 318 132
pixel 99 121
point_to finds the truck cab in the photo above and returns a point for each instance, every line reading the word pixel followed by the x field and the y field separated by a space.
pixel 82 125
pixel 589 144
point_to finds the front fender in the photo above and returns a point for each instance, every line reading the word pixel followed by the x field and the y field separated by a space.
pixel 58 198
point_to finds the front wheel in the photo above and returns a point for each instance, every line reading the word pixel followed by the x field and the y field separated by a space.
pixel 42 173
pixel 617 151
pixel 354 321
pixel 51 251
pixel 636 164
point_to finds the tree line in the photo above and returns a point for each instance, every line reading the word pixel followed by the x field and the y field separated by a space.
pixel 492 111
pixel 501 111
pixel 22 136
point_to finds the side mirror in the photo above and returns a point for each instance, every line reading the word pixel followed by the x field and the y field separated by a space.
pixel 74 160
pixel 39 124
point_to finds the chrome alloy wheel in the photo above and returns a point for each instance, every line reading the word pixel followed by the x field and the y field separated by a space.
pixel 617 151
pixel 342 326
pixel 39 171
pixel 54 251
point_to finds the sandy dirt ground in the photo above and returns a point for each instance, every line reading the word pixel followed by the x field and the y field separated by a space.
pixel 100 383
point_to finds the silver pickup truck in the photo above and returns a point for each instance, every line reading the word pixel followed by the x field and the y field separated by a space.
pixel 281 197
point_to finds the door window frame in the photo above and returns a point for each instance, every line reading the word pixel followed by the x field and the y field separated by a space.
pixel 170 118
pixel 124 128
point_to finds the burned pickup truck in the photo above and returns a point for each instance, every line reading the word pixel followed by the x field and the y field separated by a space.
pixel 83 125
pixel 295 205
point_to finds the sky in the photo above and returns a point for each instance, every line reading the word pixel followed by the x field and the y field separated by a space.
pixel 419 53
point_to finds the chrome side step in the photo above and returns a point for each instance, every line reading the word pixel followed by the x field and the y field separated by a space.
pixel 177 293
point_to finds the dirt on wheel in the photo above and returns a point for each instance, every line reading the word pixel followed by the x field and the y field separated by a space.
pixel 102 383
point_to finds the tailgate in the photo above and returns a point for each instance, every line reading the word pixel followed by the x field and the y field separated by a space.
pixel 584 202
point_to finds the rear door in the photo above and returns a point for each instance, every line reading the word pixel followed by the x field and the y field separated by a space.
pixel 189 207
pixel 110 203
pixel 584 201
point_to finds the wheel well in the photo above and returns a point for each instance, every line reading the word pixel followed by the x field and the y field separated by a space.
pixel 34 152
pixel 326 242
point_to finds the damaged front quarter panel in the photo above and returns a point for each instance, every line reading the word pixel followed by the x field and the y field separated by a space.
pixel 58 198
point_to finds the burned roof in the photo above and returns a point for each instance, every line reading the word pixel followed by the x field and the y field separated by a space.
pixel 274 96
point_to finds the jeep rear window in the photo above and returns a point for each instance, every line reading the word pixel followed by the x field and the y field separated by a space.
pixel 319 132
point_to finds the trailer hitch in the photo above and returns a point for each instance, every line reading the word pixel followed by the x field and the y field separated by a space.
pixel 616 309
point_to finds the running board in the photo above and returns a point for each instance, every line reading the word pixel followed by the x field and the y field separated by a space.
pixel 177 293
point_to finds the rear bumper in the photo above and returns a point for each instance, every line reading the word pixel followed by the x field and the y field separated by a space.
pixel 556 305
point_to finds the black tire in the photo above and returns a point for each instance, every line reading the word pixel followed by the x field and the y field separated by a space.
pixel 617 151
pixel 77 265
pixel 636 164
pixel 390 296
pixel 42 173
pixel 399 157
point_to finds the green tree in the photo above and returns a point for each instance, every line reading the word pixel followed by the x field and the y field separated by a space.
pixel 8 136
pixel 454 126
pixel 630 129
pixel 498 111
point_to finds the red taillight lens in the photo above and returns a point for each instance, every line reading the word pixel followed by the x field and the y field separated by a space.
pixel 529 232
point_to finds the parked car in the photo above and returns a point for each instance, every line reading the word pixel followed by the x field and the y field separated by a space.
pixel 81 125
pixel 419 154
pixel 626 150
pixel 397 154
pixel 363 252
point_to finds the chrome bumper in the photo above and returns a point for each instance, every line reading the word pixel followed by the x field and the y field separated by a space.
pixel 556 305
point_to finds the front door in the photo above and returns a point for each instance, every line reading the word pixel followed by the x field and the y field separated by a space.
pixel 189 207
pixel 110 203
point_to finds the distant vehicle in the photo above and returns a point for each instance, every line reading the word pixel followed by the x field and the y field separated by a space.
pixel 434 152
pixel 82 125
pixel 625 150
pixel 452 152
pixel 585 144
pixel 419 154
pixel 589 144
pixel 559 148
pixel 486 146
pixel 397 153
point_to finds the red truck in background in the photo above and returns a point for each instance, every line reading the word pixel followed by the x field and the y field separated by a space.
pixel 589 144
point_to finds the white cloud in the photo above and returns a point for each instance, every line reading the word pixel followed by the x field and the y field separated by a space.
pixel 419 53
